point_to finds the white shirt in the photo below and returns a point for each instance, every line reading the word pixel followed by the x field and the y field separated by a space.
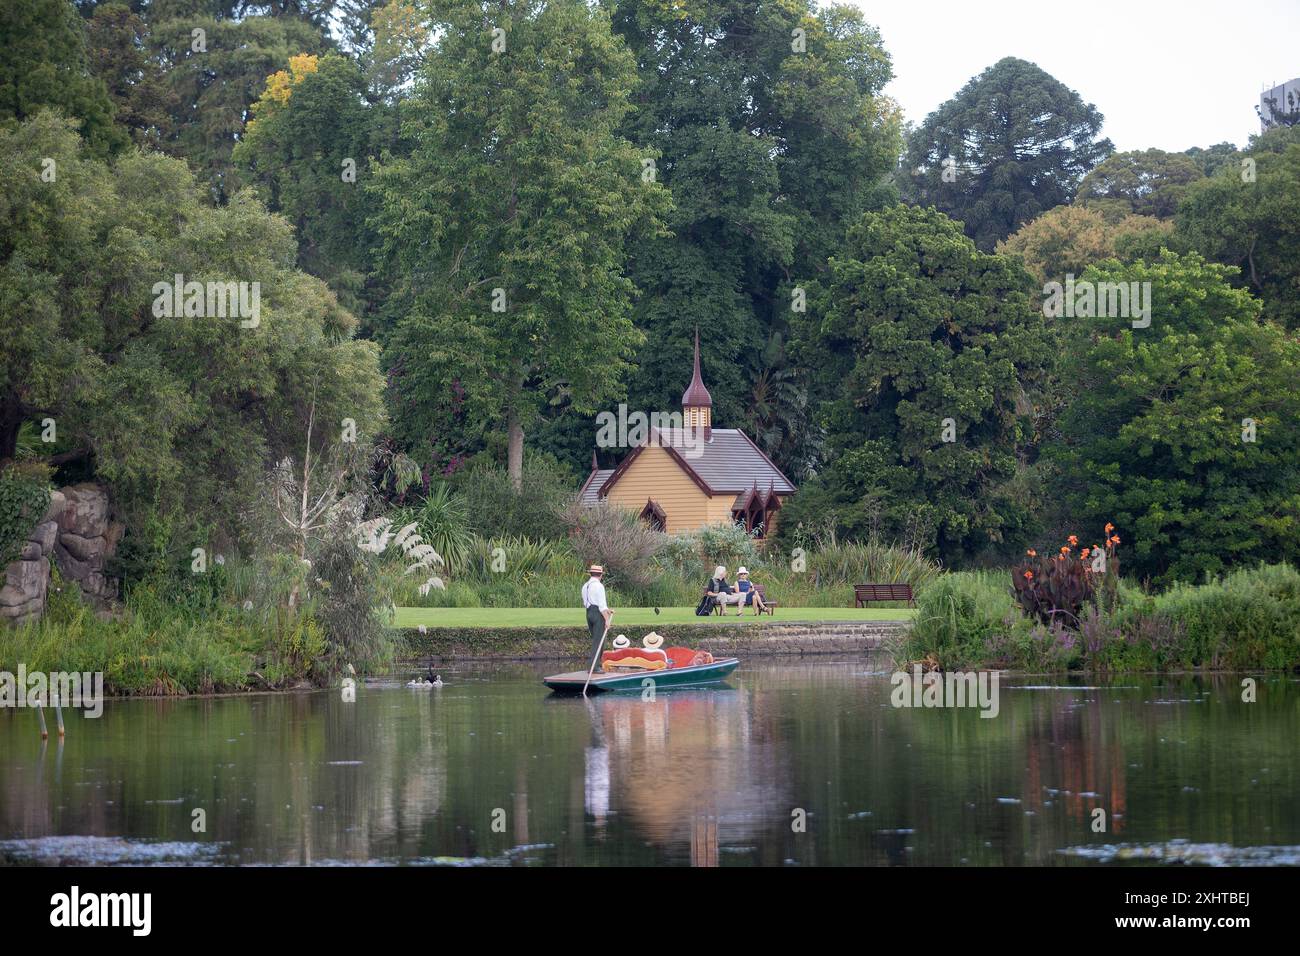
pixel 593 592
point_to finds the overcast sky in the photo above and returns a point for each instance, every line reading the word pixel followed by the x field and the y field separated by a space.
pixel 1164 74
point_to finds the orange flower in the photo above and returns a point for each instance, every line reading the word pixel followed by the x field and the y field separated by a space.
pixel 1073 539
pixel 1109 527
pixel 1029 575
pixel 1032 553
pixel 1114 539
pixel 1064 550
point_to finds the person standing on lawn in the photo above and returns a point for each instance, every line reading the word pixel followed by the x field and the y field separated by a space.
pixel 598 612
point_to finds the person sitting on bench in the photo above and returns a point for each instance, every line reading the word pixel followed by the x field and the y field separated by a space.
pixel 722 592
pixel 748 594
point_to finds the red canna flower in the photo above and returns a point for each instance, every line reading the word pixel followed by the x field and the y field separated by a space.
pixel 1029 575
pixel 1073 539
pixel 1109 527
pixel 1064 550
pixel 1032 553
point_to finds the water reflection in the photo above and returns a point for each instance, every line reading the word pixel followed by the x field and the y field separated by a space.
pixel 491 770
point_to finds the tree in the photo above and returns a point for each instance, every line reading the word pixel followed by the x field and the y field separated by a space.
pixel 215 79
pixel 1068 239
pixel 43 66
pixel 1184 432
pixel 307 148
pixel 1210 158
pixel 771 143
pixel 1142 183
pixel 1013 143
pixel 504 229
pixel 1248 216
pixel 178 413
pixel 120 55
pixel 923 347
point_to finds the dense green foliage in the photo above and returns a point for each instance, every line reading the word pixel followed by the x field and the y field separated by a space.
pixel 24 496
pixel 1140 183
pixel 1185 432
pixel 1017 142
pixel 44 65
pixel 472 225
pixel 159 404
pixel 1248 619
pixel 923 347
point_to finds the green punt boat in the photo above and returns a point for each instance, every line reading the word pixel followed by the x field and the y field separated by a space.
pixel 696 676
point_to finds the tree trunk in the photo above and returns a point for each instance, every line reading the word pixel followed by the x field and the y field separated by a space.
pixel 11 420
pixel 515 450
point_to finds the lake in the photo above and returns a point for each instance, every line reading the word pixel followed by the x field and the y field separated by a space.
pixel 791 763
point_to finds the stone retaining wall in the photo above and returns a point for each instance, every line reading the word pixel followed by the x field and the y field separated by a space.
pixel 721 640
pixel 78 535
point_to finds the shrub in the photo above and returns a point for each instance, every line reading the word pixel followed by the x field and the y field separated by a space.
pixel 872 563
pixel 443 523
pixel 494 509
pixel 966 619
pixel 1053 590
pixel 616 538
pixel 24 497
pixel 695 554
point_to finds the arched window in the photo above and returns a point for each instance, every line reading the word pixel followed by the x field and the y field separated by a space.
pixel 654 516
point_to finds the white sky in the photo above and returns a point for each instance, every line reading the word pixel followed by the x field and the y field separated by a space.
pixel 1165 73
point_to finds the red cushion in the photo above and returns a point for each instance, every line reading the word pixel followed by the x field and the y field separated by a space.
pixel 686 657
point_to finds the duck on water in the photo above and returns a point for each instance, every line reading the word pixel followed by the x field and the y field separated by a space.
pixel 430 679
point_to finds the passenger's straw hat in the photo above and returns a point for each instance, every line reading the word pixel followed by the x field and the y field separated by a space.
pixel 595 569
pixel 653 640
pixel 622 641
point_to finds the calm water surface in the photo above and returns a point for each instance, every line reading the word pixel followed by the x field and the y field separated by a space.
pixel 493 770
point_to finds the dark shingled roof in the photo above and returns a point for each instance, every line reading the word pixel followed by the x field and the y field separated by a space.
pixel 727 463
pixel 591 487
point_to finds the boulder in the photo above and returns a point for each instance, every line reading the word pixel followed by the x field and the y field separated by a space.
pixel 89 550
pixel 58 501
pixel 45 534
pixel 85 511
pixel 25 582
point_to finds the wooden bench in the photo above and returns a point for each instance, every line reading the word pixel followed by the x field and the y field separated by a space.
pixel 863 594
pixel 769 606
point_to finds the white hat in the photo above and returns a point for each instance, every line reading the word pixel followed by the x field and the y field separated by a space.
pixel 653 640
pixel 743 570
pixel 622 641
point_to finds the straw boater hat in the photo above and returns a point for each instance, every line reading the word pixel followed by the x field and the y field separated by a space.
pixel 622 641
pixel 653 641
pixel 595 569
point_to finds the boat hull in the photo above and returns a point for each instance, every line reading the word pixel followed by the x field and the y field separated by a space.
pixel 696 676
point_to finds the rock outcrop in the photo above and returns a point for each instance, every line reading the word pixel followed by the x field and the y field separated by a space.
pixel 86 540
pixel 27 580
pixel 75 532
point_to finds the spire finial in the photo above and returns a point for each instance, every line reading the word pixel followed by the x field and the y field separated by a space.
pixel 697 395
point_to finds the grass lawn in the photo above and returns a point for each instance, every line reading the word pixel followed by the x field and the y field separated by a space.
pixel 632 616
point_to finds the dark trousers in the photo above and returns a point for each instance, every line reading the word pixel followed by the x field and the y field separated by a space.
pixel 596 625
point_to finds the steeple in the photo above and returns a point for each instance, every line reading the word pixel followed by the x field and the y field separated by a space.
pixel 697 403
